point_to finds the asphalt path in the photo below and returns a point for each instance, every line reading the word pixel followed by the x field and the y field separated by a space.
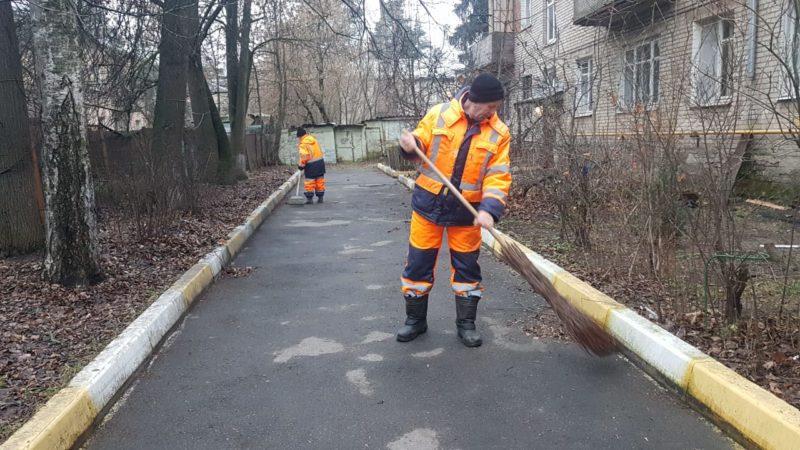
pixel 300 353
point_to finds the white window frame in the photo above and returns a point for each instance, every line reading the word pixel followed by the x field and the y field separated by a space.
pixel 722 70
pixel 583 87
pixel 525 12
pixel 726 64
pixel 635 68
pixel 550 24
pixel 790 51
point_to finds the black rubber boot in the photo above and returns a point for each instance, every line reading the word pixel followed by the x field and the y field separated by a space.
pixel 416 315
pixel 309 200
pixel 466 311
pixel 319 198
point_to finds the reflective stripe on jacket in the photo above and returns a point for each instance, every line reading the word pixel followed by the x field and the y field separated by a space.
pixel 486 177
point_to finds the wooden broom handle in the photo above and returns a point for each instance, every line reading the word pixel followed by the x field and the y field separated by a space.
pixel 452 188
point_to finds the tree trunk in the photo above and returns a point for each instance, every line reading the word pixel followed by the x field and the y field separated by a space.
pixel 232 53
pixel 242 92
pixel 206 141
pixel 170 109
pixel 305 106
pixel 207 147
pixel 261 154
pixel 71 245
pixel 277 129
pixel 735 283
pixel 320 101
pixel 20 224
pixel 224 154
pixel 225 168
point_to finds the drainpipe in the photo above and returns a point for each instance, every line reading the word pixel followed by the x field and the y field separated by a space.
pixel 752 5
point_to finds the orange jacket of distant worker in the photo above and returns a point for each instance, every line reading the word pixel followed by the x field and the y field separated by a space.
pixel 312 160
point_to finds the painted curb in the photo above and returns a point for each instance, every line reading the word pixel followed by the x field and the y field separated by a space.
pixel 754 413
pixel 71 411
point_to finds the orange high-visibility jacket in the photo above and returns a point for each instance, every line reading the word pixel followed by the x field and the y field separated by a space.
pixel 486 177
pixel 311 157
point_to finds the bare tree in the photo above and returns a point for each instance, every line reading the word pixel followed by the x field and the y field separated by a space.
pixel 20 224
pixel 239 57
pixel 208 141
pixel 170 109
pixel 71 245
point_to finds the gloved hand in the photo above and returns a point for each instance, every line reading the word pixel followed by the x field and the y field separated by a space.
pixel 300 168
pixel 407 141
pixel 484 219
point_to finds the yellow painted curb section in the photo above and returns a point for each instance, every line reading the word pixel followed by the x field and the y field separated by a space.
pixel 764 419
pixel 57 425
pixel 235 242
pixel 256 218
pixel 194 281
pixel 584 297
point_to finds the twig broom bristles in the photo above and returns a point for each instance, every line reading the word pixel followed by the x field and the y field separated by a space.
pixel 581 328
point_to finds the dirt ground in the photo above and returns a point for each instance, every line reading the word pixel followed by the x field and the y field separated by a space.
pixel 761 347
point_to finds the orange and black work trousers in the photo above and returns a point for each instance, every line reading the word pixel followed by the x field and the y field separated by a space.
pixel 424 243
pixel 314 185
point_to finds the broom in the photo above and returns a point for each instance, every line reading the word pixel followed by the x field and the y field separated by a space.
pixel 297 199
pixel 581 328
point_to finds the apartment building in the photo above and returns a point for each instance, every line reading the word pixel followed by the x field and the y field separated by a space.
pixel 494 51
pixel 716 79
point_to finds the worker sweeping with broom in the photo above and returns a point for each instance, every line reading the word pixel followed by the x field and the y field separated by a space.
pixel 464 177
pixel 312 163
pixel 469 143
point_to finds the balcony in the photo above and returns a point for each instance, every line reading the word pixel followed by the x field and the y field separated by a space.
pixel 619 14
pixel 493 50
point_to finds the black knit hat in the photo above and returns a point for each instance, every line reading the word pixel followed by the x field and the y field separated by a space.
pixel 486 88
pixel 301 132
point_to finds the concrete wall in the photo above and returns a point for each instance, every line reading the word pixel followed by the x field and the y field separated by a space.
pixel 373 139
pixel 288 153
pixel 390 129
pixel 349 143
pixel 383 135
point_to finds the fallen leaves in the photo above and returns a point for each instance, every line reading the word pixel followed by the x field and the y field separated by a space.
pixel 762 351
pixel 49 332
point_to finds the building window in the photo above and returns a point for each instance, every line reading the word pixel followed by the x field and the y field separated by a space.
pixel 550 77
pixel 527 84
pixel 713 67
pixel 550 21
pixel 583 91
pixel 524 119
pixel 526 13
pixel 791 52
pixel 641 67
